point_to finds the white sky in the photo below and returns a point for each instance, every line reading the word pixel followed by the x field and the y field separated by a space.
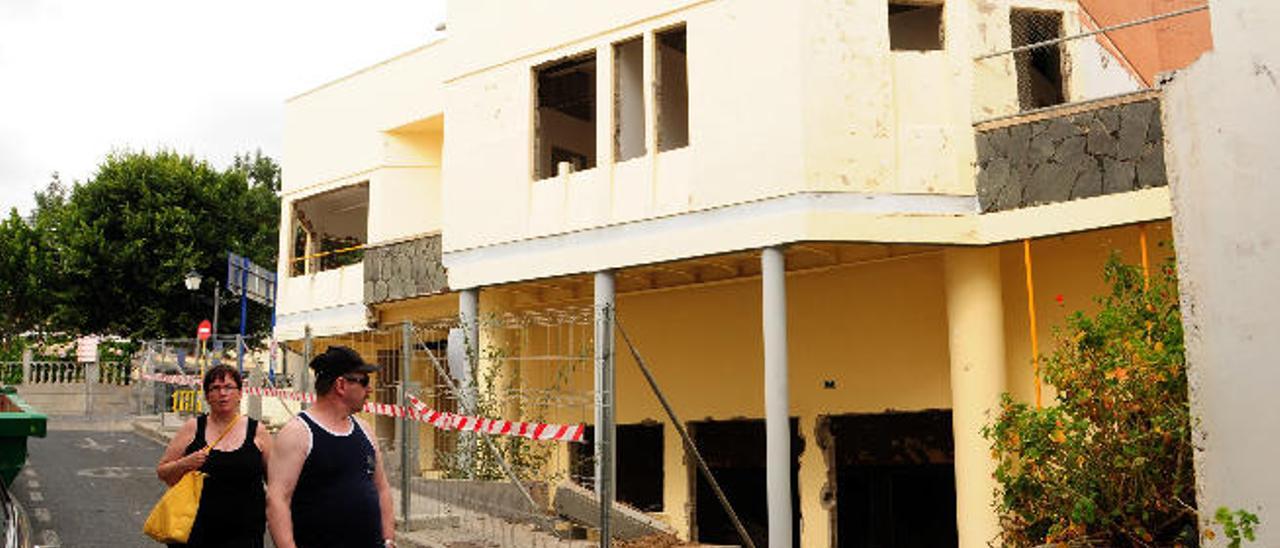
pixel 79 78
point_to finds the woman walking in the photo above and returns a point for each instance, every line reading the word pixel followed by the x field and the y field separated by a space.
pixel 233 503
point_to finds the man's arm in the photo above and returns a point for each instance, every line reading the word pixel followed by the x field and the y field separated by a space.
pixel 288 453
pixel 384 489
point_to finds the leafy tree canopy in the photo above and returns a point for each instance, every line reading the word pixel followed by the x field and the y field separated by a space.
pixel 109 256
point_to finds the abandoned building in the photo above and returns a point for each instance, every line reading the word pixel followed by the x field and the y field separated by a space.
pixel 835 232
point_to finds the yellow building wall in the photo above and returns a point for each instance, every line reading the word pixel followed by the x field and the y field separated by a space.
pixel 878 330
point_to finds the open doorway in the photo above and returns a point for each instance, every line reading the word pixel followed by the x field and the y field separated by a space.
pixel 895 479
pixel 735 454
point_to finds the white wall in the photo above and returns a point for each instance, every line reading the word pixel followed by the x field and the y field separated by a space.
pixel 1221 116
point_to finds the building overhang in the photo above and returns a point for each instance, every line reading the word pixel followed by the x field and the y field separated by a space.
pixel 789 219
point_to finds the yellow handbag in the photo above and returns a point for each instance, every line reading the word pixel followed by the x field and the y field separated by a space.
pixel 172 518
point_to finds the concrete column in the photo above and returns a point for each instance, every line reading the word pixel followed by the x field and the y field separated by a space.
pixel 27 358
pixel 469 317
pixel 975 325
pixel 777 402
pixel 606 403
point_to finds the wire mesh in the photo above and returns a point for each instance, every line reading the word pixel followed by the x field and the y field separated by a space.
pixel 1057 57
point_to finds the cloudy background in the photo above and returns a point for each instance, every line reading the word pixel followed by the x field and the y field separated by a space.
pixel 79 78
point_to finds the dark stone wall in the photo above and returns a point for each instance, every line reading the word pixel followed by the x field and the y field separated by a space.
pixel 403 270
pixel 1103 151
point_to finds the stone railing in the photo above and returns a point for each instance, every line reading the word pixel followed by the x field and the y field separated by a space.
pixel 66 372
pixel 1076 151
pixel 403 270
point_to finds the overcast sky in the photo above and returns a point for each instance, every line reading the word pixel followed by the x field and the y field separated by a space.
pixel 79 78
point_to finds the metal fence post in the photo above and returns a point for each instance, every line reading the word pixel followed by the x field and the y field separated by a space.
pixel 406 358
pixel 306 364
pixel 605 401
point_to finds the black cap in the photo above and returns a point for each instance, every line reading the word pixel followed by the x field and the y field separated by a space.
pixel 340 360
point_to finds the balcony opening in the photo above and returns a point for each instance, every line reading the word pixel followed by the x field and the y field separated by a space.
pixel 565 129
pixel 915 26
pixel 639 466
pixel 1040 71
pixel 673 89
pixel 330 230
pixel 628 99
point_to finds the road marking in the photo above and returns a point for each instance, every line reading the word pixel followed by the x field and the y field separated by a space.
pixel 51 539
pixel 35 496
pixel 41 514
pixel 33 484
pixel 30 472
pixel 89 443
pixel 115 472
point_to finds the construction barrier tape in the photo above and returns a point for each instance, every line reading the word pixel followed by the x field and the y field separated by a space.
pixel 418 411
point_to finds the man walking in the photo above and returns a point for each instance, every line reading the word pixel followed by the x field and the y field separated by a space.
pixel 326 486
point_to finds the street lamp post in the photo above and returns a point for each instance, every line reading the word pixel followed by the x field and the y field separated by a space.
pixel 192 280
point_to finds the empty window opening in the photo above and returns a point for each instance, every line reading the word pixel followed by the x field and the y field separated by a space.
pixel 330 230
pixel 628 99
pixel 1040 70
pixel 639 464
pixel 566 116
pixel 734 451
pixel 915 27
pixel 895 479
pixel 673 89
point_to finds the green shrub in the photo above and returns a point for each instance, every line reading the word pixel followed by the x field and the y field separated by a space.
pixel 1110 462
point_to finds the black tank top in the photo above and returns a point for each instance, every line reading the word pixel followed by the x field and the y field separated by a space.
pixel 233 503
pixel 335 503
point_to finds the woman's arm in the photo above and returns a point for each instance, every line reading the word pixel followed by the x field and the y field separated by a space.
pixel 173 465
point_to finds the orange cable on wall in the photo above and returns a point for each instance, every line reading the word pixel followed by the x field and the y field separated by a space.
pixel 1031 314
pixel 1146 265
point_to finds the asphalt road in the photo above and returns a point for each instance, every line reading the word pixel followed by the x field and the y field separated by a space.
pixel 90 488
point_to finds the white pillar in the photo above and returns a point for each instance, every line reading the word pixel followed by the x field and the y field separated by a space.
pixel 469 317
pixel 777 412
pixel 975 325
pixel 605 400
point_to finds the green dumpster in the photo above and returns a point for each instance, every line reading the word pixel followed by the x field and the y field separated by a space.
pixel 18 421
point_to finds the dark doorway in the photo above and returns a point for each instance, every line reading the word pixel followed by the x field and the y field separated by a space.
pixel 895 480
pixel 639 467
pixel 734 451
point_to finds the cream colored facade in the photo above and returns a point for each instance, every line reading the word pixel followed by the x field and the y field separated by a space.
pixel 804 131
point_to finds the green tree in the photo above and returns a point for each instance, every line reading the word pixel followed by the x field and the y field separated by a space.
pixel 1111 462
pixel 29 267
pixel 127 237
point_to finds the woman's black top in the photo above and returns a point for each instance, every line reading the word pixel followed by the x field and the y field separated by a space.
pixel 233 504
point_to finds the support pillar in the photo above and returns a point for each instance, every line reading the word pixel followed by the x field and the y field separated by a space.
pixel 777 403
pixel 469 317
pixel 975 325
pixel 605 403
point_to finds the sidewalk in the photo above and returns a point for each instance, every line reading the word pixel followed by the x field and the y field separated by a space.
pixel 434 524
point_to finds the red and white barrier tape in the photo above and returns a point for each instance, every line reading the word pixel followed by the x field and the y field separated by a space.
pixel 419 412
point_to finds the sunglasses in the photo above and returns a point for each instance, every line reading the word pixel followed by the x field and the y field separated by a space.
pixel 362 380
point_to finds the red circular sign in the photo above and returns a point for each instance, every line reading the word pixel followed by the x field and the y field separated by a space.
pixel 204 330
